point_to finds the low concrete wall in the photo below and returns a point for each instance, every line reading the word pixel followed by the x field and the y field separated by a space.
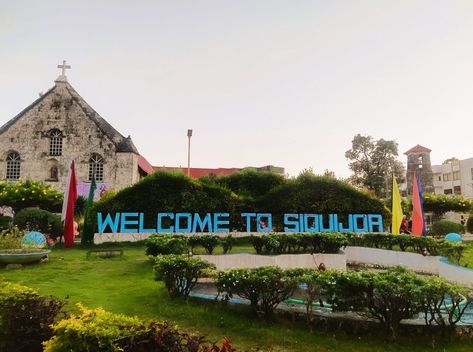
pixel 120 237
pixel 455 273
pixel 384 257
pixel 285 261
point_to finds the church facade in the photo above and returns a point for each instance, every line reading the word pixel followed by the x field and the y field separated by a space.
pixel 60 127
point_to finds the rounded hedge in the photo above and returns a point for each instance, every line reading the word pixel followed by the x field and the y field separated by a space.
pixel 443 227
pixel 35 219
pixel 172 192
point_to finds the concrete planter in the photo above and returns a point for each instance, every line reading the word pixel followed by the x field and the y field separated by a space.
pixel 22 257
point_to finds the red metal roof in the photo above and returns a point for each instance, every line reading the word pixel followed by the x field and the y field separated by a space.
pixel 197 172
pixel 418 149
pixel 144 165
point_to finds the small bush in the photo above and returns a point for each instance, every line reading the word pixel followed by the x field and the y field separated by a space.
pixel 25 318
pixel 264 287
pixel 469 224
pixel 227 243
pixel 93 330
pixel 162 244
pixel 443 227
pixel 35 219
pixel 102 331
pixel 11 239
pixel 209 242
pixel 5 222
pixel 179 273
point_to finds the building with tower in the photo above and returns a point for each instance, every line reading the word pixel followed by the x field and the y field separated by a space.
pixel 418 163
pixel 42 140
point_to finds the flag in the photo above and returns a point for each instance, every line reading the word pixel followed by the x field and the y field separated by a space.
pixel 418 224
pixel 396 209
pixel 87 235
pixel 90 198
pixel 70 197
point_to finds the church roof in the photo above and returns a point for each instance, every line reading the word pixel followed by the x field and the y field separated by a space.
pixel 418 149
pixel 122 144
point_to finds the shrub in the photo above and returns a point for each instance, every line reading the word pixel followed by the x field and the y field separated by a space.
pixel 299 243
pixel 437 312
pixel 310 194
pixel 388 296
pixel 469 224
pixel 93 330
pixel 25 318
pixel 264 287
pixel 99 330
pixel 5 222
pixel 227 243
pixel 249 192
pixel 443 227
pixel 209 242
pixel 158 244
pixel 11 239
pixel 24 194
pixel 35 219
pixel 179 273
pixel 166 192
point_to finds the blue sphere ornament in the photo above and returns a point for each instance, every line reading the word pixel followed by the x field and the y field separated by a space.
pixel 34 238
pixel 453 237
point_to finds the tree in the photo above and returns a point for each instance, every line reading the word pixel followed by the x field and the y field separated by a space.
pixel 373 163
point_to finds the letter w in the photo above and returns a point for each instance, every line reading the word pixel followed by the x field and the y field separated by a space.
pixel 113 224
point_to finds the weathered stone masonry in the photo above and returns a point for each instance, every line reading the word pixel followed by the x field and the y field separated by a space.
pixel 84 133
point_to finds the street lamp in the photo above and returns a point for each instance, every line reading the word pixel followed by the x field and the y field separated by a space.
pixel 189 135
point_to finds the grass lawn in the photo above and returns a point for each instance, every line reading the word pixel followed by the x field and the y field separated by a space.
pixel 126 285
pixel 467 257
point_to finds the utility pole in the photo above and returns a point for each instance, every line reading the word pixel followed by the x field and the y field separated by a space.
pixel 189 135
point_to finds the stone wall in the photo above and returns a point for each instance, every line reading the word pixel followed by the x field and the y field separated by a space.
pixel 82 137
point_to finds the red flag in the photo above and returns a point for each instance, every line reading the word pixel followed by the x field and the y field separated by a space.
pixel 417 211
pixel 70 197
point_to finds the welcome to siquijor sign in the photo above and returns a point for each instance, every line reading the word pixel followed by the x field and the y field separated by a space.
pixel 134 222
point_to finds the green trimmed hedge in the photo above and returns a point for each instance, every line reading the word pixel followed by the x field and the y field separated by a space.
pixel 408 243
pixel 173 192
pixel 299 243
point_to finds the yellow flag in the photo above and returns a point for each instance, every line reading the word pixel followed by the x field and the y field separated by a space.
pixel 396 210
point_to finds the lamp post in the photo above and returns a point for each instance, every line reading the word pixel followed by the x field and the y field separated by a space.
pixel 189 135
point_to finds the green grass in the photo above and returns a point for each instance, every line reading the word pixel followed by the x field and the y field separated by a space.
pixel 126 285
pixel 467 257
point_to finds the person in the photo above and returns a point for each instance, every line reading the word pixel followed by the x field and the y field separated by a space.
pixel 462 220
pixel 404 225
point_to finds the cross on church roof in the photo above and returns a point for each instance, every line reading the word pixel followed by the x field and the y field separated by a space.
pixel 63 67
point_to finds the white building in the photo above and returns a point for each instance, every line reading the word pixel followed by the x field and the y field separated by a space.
pixel 454 177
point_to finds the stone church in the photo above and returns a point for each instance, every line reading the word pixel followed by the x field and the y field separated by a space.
pixel 42 140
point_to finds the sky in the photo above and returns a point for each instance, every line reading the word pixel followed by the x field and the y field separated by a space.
pixel 286 83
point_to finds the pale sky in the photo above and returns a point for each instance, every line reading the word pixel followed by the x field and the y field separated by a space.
pixel 287 83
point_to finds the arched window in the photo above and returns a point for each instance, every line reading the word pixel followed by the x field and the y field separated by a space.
pixel 96 168
pixel 13 166
pixel 55 142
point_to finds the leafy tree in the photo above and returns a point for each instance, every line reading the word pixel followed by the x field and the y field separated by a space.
pixel 373 162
